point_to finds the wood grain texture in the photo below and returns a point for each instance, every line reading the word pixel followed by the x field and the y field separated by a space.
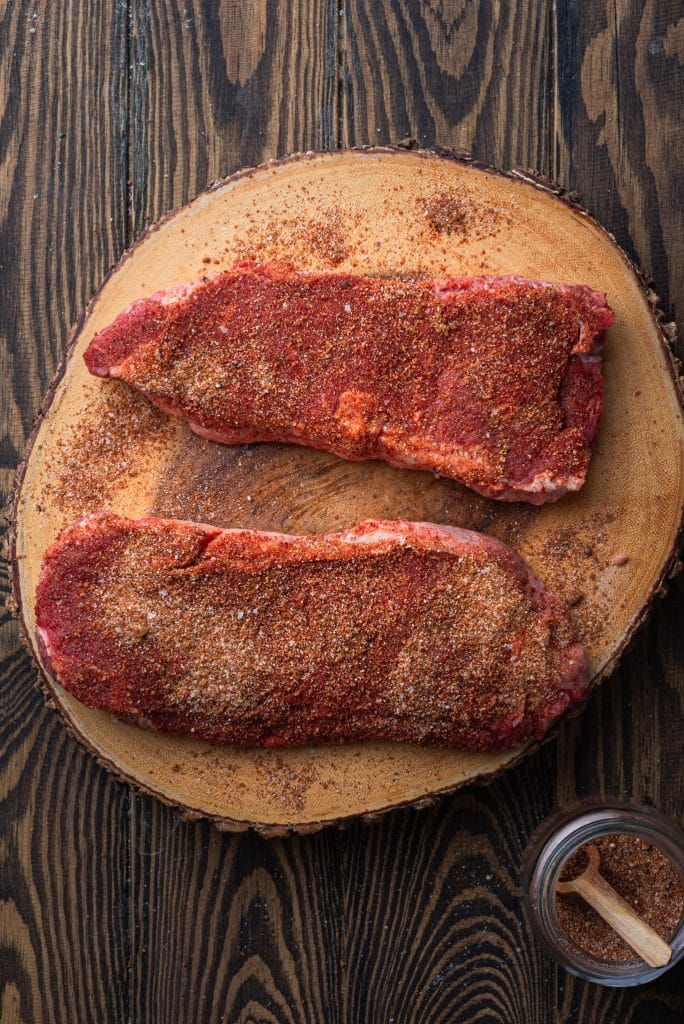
pixel 219 86
pixel 619 88
pixel 469 76
pixel 63 929
pixel 434 896
pixel 232 929
pixel 440 887
pixel 228 928
pixel 619 85
pixel 399 921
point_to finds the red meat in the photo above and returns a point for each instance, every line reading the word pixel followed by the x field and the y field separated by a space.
pixel 391 630
pixel 493 381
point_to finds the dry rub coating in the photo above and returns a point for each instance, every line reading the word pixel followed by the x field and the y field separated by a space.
pixel 492 381
pixel 391 630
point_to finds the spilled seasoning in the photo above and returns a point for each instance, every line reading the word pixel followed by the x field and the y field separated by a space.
pixel 570 562
pixel 110 444
pixel 450 211
pixel 322 235
pixel 288 784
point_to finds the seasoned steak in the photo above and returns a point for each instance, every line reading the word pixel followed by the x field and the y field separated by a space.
pixel 493 381
pixel 391 630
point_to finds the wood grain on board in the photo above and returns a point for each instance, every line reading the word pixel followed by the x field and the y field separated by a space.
pixel 288 488
pixel 397 921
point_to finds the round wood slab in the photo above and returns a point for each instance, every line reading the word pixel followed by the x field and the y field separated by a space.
pixel 606 550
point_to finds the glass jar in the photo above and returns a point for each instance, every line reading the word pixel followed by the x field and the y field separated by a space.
pixel 556 839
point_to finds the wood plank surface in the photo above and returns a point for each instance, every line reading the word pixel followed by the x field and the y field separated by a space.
pixel 63 837
pixel 468 76
pixel 111 909
pixel 228 928
pixel 219 86
pixel 63 823
pixel 433 895
pixel 618 92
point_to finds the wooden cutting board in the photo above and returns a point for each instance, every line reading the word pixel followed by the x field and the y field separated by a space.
pixel 606 550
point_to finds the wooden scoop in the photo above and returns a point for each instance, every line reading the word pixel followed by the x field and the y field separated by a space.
pixel 594 889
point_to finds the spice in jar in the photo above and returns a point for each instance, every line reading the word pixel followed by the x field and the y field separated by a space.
pixel 642 874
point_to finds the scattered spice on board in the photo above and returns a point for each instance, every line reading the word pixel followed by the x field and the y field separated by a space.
pixel 321 235
pixel 571 561
pixel 449 211
pixel 286 782
pixel 110 443
pixel 642 874
pixel 509 523
pixel 445 211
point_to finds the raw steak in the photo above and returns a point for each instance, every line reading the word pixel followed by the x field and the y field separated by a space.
pixel 391 630
pixel 495 382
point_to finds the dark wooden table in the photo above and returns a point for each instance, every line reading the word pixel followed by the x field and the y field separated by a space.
pixel 111 113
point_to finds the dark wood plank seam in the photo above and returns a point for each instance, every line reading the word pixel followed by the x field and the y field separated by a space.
pixel 127 143
pixel 128 895
pixel 552 156
pixel 340 16
pixel 616 58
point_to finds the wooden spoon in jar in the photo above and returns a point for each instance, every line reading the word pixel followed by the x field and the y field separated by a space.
pixel 594 889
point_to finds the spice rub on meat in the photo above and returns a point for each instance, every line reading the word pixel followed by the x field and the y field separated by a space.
pixel 390 630
pixel 492 381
